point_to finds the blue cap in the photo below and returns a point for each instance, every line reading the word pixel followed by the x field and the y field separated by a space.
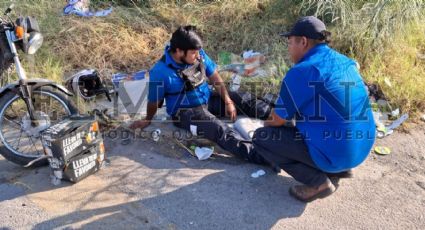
pixel 309 27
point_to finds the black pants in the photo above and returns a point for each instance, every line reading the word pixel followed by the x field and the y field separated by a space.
pixel 204 120
pixel 280 147
pixel 283 147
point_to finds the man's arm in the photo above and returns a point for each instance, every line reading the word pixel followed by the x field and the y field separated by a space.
pixel 274 120
pixel 152 107
pixel 220 87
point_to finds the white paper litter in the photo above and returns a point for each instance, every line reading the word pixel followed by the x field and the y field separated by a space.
pixel 203 153
pixel 258 173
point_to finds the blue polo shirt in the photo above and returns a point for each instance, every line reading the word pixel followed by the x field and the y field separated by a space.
pixel 165 83
pixel 326 94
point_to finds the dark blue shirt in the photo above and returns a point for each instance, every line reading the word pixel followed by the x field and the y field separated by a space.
pixel 326 94
pixel 165 83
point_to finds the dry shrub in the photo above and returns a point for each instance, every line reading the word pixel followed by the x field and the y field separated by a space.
pixel 109 43
pixel 400 65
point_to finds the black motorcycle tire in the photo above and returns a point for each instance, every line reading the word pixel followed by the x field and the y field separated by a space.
pixel 4 100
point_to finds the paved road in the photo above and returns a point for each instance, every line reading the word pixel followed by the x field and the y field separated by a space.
pixel 159 186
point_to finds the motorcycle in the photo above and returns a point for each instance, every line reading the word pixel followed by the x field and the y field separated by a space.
pixel 27 106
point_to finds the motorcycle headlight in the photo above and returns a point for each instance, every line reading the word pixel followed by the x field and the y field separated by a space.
pixel 35 41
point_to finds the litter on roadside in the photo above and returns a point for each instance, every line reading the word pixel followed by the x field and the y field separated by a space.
pixel 190 151
pixel 234 68
pixel 395 113
pixel 203 153
pixel 258 173
pixel 383 113
pixel 248 66
pixel 227 58
pixel 235 84
pixel 252 61
pixel 384 131
pixel 81 8
pixel 156 135
pixel 123 77
pixel 382 150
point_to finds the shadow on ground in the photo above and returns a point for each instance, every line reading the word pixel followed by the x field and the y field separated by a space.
pixel 157 186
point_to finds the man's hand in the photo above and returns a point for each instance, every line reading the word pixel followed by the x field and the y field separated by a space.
pixel 219 86
pixel 140 124
pixel 231 111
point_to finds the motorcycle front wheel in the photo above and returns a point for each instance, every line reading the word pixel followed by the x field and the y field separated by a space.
pixel 20 142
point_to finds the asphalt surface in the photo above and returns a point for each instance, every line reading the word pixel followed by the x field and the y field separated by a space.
pixel 157 185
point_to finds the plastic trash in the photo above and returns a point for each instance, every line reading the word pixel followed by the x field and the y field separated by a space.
pixel 398 122
pixel 252 61
pixel 81 8
pixel 121 77
pixel 203 153
pixel 384 131
pixel 236 83
pixel 258 173
pixel 156 135
pixel 395 113
pixel 382 150
pixel 234 68
pixel 224 58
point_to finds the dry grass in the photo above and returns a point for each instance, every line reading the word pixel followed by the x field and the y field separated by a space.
pixel 400 64
pixel 133 38
pixel 109 44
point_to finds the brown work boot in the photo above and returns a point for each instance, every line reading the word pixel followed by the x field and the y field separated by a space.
pixel 307 194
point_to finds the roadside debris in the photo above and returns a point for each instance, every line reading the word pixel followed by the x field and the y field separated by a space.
pixel 156 135
pixel 247 66
pixel 81 8
pixel 236 68
pixel 203 153
pixel 227 58
pixel 252 61
pixel 258 173
pixel 235 84
pixel 383 113
pixel 122 77
pixel 382 150
pixel 184 147
pixel 384 131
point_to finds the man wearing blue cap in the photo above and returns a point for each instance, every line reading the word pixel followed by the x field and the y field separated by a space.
pixel 326 95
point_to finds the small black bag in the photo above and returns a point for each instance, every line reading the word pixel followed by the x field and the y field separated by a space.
pixel 193 76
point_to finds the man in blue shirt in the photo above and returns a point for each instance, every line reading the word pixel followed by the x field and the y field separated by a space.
pixel 180 78
pixel 326 95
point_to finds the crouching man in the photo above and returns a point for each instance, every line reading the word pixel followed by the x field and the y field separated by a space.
pixel 326 95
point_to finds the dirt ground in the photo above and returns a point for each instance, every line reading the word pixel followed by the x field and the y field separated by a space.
pixel 157 185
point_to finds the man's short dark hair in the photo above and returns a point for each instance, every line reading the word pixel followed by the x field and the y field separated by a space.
pixel 327 36
pixel 185 38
